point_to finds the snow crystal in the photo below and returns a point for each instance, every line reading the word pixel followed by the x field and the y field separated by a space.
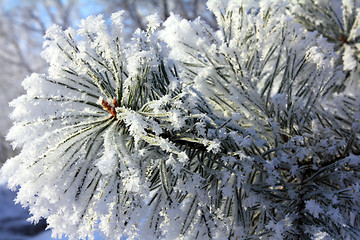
pixel 200 128
pixel 277 227
pixel 321 235
pixel 227 190
pixel 336 216
pixel 176 119
pixel 250 201
pixel 313 207
pixel 108 162
pixel 348 58
pixel 215 5
pixel 183 157
pixel 279 99
pixel 154 21
pixel 92 24
pixel 117 23
pixel 245 142
pixel 214 146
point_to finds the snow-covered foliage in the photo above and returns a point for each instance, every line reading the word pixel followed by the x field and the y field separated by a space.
pixel 189 132
pixel 339 22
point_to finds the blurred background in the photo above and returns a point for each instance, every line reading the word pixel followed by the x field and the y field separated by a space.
pixel 22 26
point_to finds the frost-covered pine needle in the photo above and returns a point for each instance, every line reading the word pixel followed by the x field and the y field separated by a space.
pixel 187 132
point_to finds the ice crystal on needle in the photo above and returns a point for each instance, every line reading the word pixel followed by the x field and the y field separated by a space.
pixel 187 132
pixel 75 126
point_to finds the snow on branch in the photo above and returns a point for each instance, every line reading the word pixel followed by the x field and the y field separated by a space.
pixel 190 132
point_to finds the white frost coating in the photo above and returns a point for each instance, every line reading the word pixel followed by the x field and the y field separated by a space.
pixel 117 24
pixel 136 124
pixel 215 5
pixel 349 59
pixel 321 236
pixel 107 164
pixel 338 21
pixel 154 21
pixel 74 143
pixel 348 6
pixel 187 132
pixel 278 228
pixel 314 208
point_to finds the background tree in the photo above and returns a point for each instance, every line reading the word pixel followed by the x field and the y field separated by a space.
pixel 137 10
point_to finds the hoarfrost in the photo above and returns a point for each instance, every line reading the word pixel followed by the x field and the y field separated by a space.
pixel 189 132
pixel 314 208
